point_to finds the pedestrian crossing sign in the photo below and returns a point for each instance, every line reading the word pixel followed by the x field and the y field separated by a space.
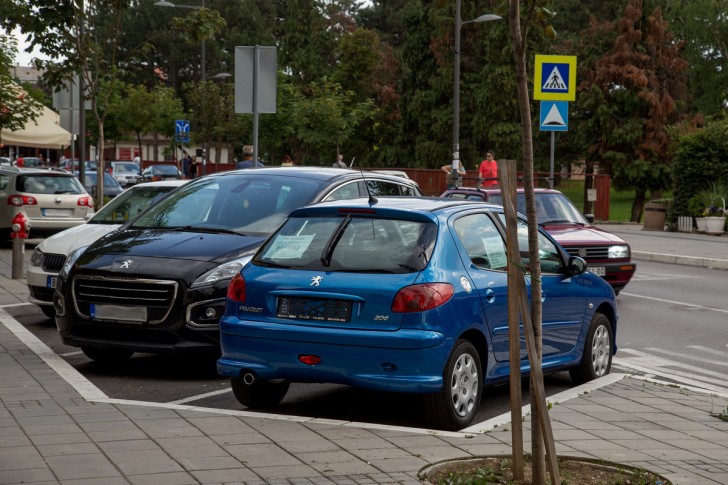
pixel 554 78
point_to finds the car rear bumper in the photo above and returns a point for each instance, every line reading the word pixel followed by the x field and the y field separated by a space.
pixel 402 361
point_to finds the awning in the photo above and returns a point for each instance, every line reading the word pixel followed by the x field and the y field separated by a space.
pixel 44 132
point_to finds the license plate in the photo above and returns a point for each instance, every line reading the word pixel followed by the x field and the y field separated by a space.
pixel 51 282
pixel 57 212
pixel 120 313
pixel 314 309
pixel 598 270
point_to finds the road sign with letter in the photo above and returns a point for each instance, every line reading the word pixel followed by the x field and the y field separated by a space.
pixel 554 78
pixel 554 116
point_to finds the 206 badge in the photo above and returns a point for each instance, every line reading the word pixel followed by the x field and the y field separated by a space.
pixel 316 280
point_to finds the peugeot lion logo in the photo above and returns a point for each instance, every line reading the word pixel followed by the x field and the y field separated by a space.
pixel 126 264
pixel 316 280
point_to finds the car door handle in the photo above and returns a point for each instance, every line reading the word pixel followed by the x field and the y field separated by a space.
pixel 489 295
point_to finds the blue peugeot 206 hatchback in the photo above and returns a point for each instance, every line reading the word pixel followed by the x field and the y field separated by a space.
pixel 404 295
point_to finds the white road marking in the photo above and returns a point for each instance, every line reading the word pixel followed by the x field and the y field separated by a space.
pixel 71 354
pixel 689 382
pixel 200 396
pixel 674 302
pixel 708 350
pixel 660 362
pixel 689 356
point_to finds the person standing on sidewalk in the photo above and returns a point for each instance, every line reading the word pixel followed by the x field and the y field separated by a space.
pixel 488 171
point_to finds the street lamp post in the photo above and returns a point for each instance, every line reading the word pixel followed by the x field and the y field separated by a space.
pixel 456 87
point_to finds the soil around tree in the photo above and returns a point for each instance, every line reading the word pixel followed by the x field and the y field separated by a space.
pixel 573 471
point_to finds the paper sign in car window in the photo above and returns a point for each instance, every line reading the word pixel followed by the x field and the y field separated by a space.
pixel 496 251
pixel 288 247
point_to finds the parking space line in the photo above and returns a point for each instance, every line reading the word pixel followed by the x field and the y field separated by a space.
pixel 200 396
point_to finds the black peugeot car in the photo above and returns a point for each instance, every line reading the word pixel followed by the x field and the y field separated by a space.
pixel 158 283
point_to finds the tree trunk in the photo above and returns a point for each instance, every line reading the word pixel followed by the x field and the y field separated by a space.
pixel 638 205
pixel 519 52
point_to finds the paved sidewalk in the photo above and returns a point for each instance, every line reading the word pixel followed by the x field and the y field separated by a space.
pixel 56 427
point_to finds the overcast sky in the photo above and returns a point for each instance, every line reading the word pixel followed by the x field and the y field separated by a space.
pixel 23 58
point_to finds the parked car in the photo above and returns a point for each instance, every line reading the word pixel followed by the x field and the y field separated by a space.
pixel 607 254
pixel 73 166
pixel 162 172
pixel 158 283
pixel 52 200
pixel 127 173
pixel 111 186
pixel 50 255
pixel 5 161
pixel 406 296
pixel 31 162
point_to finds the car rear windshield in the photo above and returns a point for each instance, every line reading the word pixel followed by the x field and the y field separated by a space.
pixel 126 167
pixel 109 181
pixel 246 204
pixel 48 184
pixel 350 244
pixel 550 208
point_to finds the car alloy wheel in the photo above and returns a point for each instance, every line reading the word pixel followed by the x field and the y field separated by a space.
pixel 596 360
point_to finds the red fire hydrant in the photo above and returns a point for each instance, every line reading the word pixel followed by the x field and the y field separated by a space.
pixel 20 228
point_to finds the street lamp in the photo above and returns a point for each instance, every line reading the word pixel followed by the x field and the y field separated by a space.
pixel 456 87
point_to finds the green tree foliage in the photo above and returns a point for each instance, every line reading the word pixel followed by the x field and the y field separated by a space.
pixel 632 94
pixel 699 161
pixel 17 107
pixel 325 118
pixel 703 26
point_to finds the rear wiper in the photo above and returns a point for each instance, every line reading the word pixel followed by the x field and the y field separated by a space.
pixel 333 241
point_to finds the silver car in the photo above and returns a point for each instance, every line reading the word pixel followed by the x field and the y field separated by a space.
pixel 52 200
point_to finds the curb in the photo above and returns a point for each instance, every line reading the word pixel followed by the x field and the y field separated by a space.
pixel 682 260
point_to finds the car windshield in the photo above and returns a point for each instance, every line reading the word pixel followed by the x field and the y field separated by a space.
pixel 125 167
pixel 130 204
pixel 551 208
pixel 109 181
pixel 246 204
pixel 164 169
pixel 350 244
pixel 48 184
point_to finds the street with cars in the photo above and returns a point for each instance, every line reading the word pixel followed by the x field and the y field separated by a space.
pixel 312 314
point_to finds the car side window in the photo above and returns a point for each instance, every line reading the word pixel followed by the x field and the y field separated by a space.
pixel 3 182
pixel 380 187
pixel 483 244
pixel 347 191
pixel 548 254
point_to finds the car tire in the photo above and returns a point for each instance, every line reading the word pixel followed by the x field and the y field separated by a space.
pixel 48 311
pixel 596 361
pixel 454 406
pixel 259 394
pixel 108 355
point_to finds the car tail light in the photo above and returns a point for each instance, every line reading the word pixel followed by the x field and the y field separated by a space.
pixel 85 202
pixel 309 359
pixel 21 200
pixel 236 289
pixel 420 298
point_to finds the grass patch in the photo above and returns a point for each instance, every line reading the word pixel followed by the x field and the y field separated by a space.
pixel 620 202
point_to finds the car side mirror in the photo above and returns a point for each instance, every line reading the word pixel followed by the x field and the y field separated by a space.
pixel 590 218
pixel 576 265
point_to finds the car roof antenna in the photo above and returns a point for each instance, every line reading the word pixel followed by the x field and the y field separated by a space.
pixel 372 200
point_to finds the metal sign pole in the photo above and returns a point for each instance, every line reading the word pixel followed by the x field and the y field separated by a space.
pixel 551 160
pixel 256 66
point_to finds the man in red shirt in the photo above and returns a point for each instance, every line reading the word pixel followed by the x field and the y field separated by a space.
pixel 488 171
pixel 20 161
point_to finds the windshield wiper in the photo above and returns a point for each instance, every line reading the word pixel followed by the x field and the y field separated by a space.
pixel 211 230
pixel 557 221
pixel 333 241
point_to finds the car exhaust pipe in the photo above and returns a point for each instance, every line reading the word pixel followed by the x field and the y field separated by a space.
pixel 248 378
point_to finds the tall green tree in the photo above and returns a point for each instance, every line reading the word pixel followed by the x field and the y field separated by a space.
pixel 703 26
pixel 16 106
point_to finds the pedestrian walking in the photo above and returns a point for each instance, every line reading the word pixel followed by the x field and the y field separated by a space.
pixel 247 161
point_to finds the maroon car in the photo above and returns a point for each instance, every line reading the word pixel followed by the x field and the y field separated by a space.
pixel 608 255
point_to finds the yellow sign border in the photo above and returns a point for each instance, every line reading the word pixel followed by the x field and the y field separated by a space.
pixel 570 94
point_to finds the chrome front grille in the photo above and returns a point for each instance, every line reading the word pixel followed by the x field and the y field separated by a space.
pixel 52 263
pixel 592 252
pixel 157 296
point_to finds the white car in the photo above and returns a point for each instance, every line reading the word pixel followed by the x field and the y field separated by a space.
pixel 126 173
pixel 50 255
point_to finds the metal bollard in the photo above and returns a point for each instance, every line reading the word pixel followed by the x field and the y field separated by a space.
pixel 20 227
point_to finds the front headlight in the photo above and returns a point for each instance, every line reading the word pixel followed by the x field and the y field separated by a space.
pixel 618 252
pixel 36 258
pixel 71 260
pixel 223 272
